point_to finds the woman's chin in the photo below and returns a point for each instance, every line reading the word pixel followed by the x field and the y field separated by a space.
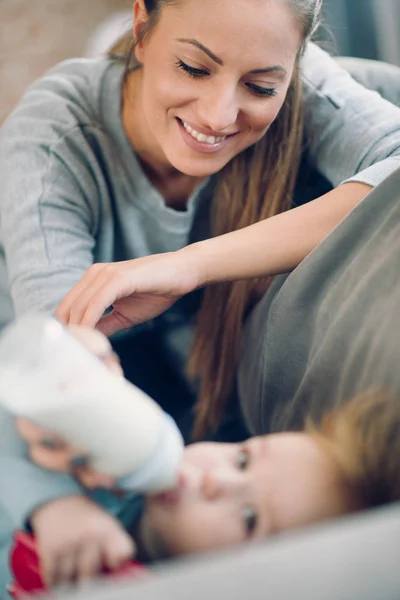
pixel 199 168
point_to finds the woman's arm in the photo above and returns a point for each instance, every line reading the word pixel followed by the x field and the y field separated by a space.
pixel 276 245
pixel 49 199
pixel 141 289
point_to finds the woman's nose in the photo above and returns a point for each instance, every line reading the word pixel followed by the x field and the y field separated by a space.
pixel 218 483
pixel 219 110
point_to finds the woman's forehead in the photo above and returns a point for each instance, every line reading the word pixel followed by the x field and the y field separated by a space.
pixel 244 25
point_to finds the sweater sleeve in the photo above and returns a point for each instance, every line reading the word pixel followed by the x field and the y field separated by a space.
pixel 50 186
pixel 353 134
pixel 49 201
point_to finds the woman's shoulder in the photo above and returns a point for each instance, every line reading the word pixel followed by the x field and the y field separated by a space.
pixel 68 96
pixel 318 67
pixel 79 78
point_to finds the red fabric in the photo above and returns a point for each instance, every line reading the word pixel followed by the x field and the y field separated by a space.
pixel 25 567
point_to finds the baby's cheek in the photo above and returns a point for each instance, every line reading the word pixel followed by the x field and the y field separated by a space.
pixel 207 528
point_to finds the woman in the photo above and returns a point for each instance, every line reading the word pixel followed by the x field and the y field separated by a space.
pixel 84 181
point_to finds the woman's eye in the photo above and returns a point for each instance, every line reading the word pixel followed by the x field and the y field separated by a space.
pixel 261 91
pixel 191 71
pixel 250 520
pixel 243 460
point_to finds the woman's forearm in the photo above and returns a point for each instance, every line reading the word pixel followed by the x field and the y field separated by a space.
pixel 275 245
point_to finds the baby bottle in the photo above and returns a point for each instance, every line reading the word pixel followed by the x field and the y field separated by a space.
pixel 48 376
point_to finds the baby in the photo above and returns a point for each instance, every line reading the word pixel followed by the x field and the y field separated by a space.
pixel 226 493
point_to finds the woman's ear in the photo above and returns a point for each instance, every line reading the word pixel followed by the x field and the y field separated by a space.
pixel 140 18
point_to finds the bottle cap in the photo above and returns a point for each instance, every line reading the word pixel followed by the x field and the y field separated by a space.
pixel 160 471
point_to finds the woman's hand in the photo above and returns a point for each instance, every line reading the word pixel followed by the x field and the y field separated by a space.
pixel 51 452
pixel 76 539
pixel 138 290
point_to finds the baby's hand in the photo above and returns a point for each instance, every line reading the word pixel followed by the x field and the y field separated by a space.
pixel 76 539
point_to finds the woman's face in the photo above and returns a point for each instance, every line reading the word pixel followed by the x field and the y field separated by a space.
pixel 228 493
pixel 215 75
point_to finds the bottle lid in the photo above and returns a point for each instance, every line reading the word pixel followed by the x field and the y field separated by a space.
pixel 160 471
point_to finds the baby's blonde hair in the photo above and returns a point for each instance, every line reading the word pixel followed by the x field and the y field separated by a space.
pixel 362 437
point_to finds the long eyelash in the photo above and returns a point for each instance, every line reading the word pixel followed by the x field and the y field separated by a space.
pixel 250 518
pixel 261 91
pixel 197 73
pixel 191 71
pixel 243 453
pixel 242 460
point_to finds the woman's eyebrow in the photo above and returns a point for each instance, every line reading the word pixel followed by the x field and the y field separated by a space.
pixel 219 61
pixel 273 69
pixel 203 48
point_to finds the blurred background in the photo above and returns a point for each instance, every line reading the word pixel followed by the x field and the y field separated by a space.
pixel 36 34
pixel 364 28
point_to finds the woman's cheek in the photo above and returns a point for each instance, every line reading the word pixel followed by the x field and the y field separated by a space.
pixel 267 116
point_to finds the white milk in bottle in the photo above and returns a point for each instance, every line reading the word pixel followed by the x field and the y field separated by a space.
pixel 50 377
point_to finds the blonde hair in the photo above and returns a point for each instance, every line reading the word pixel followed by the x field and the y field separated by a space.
pixel 362 437
pixel 255 185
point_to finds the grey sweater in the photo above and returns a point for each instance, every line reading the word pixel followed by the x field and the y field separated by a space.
pixel 72 192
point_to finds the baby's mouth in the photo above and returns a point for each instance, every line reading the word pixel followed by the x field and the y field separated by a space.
pixel 173 495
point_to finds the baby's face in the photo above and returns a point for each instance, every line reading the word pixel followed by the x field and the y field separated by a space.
pixel 228 493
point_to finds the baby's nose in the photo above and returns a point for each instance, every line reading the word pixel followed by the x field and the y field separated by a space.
pixel 218 483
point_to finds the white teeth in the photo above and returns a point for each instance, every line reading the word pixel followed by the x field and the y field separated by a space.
pixel 200 137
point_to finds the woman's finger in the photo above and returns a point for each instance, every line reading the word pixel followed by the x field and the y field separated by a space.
pixel 98 344
pixel 113 322
pixel 86 293
pixel 63 310
pixel 99 295
pixel 93 340
pixel 113 363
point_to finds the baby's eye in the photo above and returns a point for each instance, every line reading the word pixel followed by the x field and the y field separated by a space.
pixel 249 520
pixel 243 459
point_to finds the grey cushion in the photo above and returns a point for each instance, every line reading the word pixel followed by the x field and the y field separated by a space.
pixel 356 559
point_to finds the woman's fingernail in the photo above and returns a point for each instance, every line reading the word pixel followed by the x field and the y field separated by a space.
pixel 116 357
pixel 77 462
pixel 48 443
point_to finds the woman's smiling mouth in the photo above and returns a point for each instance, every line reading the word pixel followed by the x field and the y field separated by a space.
pixel 201 137
pixel 200 141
